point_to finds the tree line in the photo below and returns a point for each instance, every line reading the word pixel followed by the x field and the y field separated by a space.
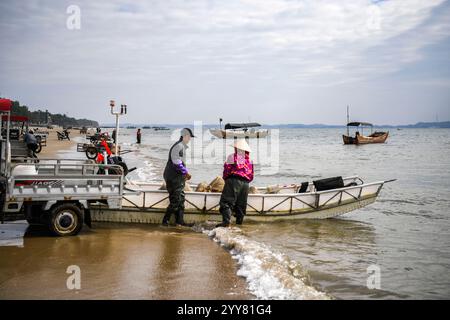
pixel 41 117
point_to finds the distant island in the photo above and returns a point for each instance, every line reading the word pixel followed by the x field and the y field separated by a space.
pixel 429 125
pixel 40 117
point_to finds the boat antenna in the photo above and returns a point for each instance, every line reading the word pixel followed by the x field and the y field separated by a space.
pixel 348 120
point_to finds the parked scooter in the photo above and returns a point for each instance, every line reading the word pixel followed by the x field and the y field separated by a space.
pixel 63 135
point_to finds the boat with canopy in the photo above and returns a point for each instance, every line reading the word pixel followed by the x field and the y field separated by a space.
pixel 239 130
pixel 360 138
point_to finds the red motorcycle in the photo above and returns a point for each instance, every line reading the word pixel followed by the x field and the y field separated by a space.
pixel 111 159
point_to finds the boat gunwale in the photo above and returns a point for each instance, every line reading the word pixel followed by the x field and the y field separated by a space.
pixel 270 195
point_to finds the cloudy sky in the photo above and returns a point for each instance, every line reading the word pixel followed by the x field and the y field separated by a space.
pixel 271 61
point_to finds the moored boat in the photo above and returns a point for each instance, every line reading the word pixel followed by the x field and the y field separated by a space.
pixel 145 203
pixel 360 138
pixel 239 130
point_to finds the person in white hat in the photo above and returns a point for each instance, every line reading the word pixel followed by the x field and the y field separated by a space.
pixel 238 172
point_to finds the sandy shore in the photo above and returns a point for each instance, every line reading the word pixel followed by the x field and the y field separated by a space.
pixel 54 146
pixel 117 261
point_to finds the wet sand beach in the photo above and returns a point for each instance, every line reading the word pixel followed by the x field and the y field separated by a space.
pixel 117 261
pixel 54 146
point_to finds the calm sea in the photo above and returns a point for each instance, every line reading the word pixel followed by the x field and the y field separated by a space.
pixel 405 234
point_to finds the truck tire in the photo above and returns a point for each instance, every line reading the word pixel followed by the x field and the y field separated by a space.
pixel 91 152
pixel 66 219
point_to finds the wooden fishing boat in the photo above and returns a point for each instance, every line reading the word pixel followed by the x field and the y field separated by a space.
pixel 145 203
pixel 360 138
pixel 239 130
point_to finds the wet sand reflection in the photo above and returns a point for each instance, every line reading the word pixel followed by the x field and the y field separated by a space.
pixel 120 262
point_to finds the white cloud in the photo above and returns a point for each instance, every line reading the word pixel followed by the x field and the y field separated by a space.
pixel 285 43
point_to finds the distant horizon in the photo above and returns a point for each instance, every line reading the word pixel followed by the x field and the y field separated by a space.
pixel 272 125
pixel 266 61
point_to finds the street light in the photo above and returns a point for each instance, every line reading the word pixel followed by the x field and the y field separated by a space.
pixel 123 110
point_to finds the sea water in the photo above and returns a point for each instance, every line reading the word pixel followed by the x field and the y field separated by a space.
pixel 403 239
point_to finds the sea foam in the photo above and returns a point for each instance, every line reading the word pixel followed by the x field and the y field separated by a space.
pixel 269 275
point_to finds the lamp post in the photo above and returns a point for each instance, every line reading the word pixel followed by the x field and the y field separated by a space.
pixel 123 110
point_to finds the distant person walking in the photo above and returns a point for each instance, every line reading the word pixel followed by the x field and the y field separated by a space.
pixel 138 136
pixel 32 144
pixel 175 176
pixel 114 135
pixel 238 172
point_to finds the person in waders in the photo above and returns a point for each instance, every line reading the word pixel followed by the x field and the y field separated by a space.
pixel 238 172
pixel 175 176
pixel 138 136
pixel 114 136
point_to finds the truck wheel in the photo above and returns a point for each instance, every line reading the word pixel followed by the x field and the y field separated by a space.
pixel 91 153
pixel 65 220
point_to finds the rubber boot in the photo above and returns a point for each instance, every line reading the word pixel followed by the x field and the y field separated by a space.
pixel 180 219
pixel 226 215
pixel 166 218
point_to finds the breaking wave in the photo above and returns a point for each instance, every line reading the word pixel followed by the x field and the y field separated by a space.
pixel 269 275
pixel 144 173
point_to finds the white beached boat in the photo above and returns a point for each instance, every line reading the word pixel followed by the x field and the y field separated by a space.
pixel 145 203
pixel 239 131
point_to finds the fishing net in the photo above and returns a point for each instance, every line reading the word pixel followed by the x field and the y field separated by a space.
pixel 217 184
pixel 273 189
pixel 252 190
pixel 202 187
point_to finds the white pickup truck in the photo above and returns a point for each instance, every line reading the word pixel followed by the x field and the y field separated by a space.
pixel 58 193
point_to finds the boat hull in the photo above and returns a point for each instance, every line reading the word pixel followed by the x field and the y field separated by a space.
pixel 148 204
pixel 231 134
pixel 155 216
pixel 360 139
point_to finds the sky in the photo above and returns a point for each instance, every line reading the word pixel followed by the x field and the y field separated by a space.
pixel 269 61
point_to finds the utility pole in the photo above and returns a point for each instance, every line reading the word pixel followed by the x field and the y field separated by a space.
pixel 123 110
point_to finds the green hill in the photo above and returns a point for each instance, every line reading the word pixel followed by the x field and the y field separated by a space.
pixel 45 117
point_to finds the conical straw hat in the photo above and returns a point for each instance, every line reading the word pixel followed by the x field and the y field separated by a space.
pixel 241 144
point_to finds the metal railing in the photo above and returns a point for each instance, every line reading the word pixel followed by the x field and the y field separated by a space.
pixel 75 174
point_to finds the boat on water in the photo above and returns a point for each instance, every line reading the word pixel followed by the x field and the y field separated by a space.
pixel 146 203
pixel 160 128
pixel 239 130
pixel 360 138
